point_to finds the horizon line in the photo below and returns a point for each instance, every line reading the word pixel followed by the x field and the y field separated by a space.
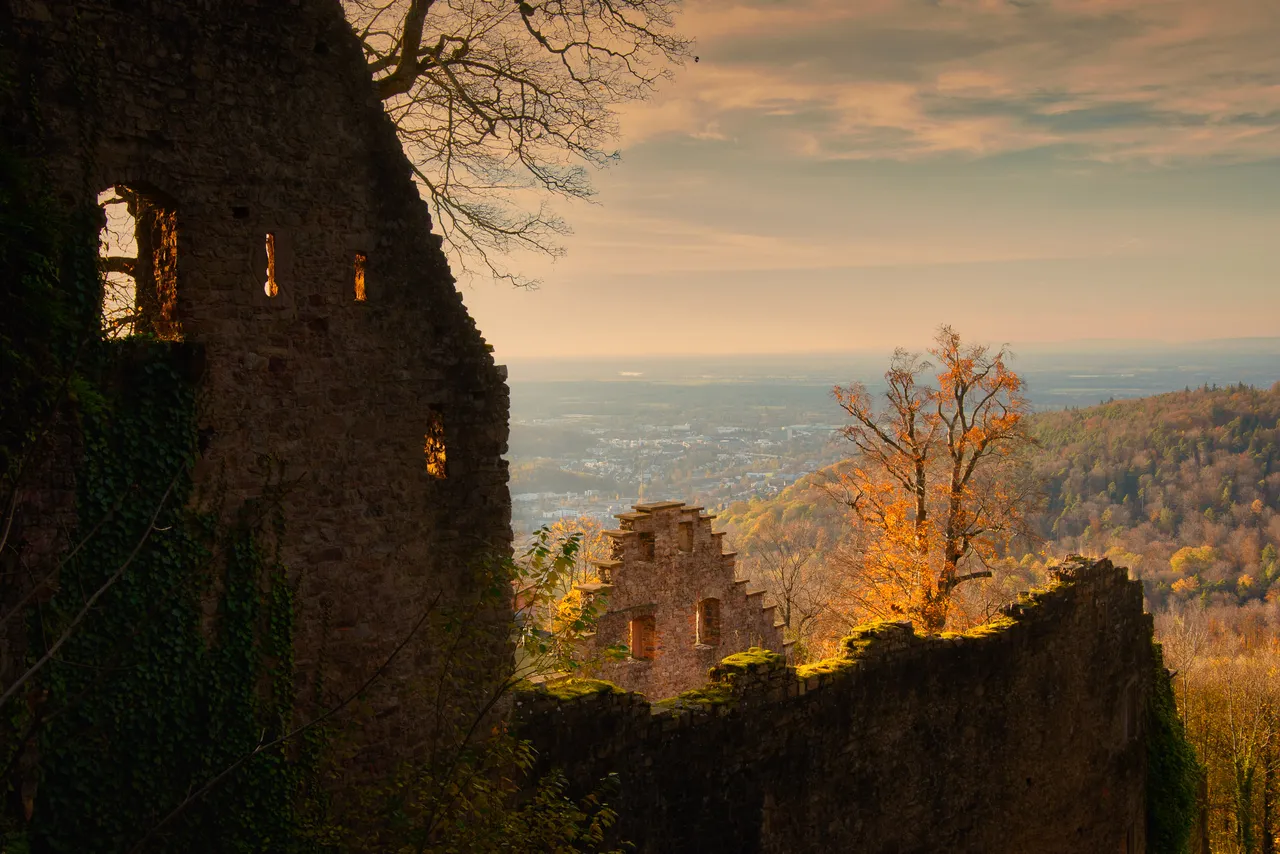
pixel 1015 346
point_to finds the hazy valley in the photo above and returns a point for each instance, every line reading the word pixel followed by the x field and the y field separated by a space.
pixel 595 437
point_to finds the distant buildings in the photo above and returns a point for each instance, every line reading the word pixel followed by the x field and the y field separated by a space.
pixel 707 463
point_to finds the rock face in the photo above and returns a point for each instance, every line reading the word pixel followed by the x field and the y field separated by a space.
pixel 1025 736
pixel 673 598
pixel 280 233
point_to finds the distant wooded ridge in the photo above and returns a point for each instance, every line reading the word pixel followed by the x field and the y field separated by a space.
pixel 1183 488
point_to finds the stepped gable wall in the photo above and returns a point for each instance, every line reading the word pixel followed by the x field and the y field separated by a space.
pixel 360 382
pixel 669 567
pixel 1026 735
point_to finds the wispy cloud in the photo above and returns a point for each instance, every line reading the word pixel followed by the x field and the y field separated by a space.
pixel 1112 80
pixel 834 173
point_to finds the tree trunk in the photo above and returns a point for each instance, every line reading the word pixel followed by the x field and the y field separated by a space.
pixel 1268 763
pixel 932 611
pixel 1244 807
pixel 1202 831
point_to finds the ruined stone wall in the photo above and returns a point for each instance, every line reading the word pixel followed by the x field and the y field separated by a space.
pixel 1024 737
pixel 251 118
pixel 667 561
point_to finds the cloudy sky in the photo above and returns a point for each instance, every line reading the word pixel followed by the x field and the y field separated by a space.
pixel 847 174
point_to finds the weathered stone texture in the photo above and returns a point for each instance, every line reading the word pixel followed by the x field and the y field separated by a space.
pixel 259 117
pixel 1028 738
pixel 666 561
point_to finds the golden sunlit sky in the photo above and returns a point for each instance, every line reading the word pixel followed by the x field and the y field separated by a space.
pixel 847 175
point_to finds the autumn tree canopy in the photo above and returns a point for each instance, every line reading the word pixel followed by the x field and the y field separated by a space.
pixel 560 603
pixel 502 105
pixel 936 483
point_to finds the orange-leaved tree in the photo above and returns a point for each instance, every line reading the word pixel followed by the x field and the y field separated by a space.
pixel 937 483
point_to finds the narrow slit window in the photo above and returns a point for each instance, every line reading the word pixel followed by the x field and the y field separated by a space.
pixel 643 640
pixel 361 260
pixel 1129 711
pixel 433 445
pixel 709 622
pixel 270 287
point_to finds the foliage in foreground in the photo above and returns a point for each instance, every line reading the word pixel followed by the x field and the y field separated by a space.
pixel 1227 683
pixel 474 787
pixel 485 799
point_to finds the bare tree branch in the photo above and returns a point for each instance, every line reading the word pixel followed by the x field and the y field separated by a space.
pixel 92 600
pixel 498 103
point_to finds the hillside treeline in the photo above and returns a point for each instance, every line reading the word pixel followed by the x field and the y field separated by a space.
pixel 1182 488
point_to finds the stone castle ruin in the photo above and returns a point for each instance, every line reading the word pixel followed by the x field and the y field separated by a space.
pixel 673 598
pixel 278 240
pixel 278 233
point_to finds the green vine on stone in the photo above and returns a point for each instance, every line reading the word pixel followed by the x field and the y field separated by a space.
pixel 160 643
pixel 1173 771
pixel 184 664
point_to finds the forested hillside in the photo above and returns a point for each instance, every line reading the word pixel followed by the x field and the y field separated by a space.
pixel 1183 488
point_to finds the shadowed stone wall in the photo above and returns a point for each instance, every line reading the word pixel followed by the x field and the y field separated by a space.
pixel 1026 736
pixel 249 118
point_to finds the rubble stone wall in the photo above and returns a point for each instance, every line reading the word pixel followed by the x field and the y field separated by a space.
pixel 1024 736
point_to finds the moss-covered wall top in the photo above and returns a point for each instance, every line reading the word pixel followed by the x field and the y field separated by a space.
pixel 1024 736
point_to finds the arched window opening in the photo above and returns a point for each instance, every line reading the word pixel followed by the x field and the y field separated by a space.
pixel 433 445
pixel 686 536
pixel 269 286
pixel 709 622
pixel 138 256
pixel 361 260
pixel 644 638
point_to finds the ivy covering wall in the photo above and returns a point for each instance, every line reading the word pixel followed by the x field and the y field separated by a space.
pixel 159 656
pixel 184 665
pixel 1173 771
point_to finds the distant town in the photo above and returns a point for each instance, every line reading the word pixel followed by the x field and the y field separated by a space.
pixel 712 465
pixel 594 438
